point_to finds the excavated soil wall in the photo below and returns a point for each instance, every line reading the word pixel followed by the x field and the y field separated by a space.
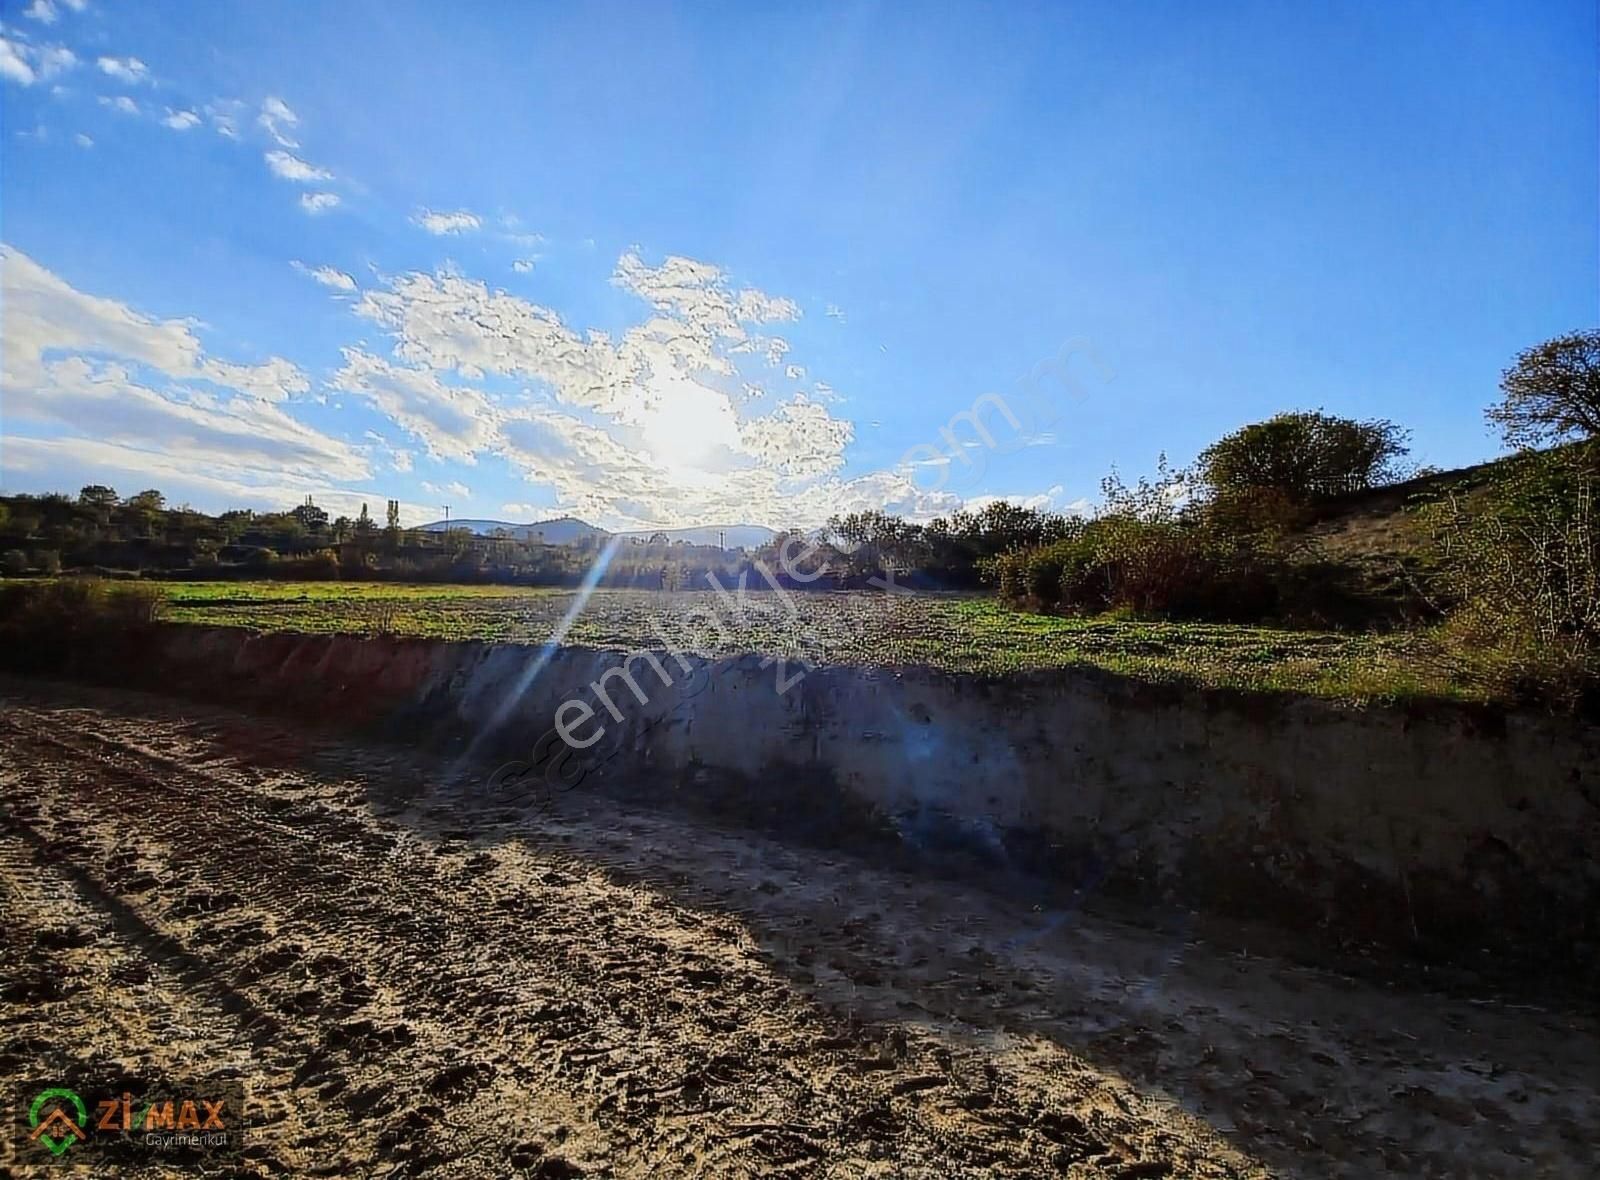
pixel 1440 825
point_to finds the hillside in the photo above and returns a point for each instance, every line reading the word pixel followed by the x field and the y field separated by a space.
pixel 1371 548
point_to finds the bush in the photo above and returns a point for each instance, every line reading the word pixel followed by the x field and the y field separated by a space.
pixel 1519 561
pixel 1170 568
pixel 44 623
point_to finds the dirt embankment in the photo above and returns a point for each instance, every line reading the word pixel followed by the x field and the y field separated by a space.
pixel 416 984
pixel 1465 834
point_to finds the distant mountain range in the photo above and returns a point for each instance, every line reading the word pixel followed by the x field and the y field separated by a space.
pixel 565 530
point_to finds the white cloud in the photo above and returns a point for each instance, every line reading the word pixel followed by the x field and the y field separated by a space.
pixel 799 438
pixel 44 11
pixel 69 462
pixel 82 140
pixel 181 120
pixel 314 203
pixel 124 69
pixel 54 60
pixel 76 361
pixel 277 120
pixel 452 422
pixel 328 276
pixel 122 104
pixel 455 488
pixel 457 222
pixel 14 66
pixel 834 312
pixel 522 265
pixel 1048 500
pixel 25 64
pixel 795 372
pixel 640 430
pixel 287 167
pixel 698 293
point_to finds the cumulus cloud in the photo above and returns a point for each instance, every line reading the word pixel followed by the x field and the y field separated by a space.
pixel 314 203
pixel 328 276
pixel 124 69
pixel 287 167
pixel 277 120
pixel 82 140
pixel 122 104
pixel 181 120
pixel 42 11
pixel 460 221
pixel 522 265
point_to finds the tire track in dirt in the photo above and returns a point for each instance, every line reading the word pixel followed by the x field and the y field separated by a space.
pixel 613 990
pixel 651 1045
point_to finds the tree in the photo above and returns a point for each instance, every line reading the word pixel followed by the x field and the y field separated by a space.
pixel 312 518
pixel 148 500
pixel 1552 392
pixel 98 497
pixel 391 527
pixel 1303 456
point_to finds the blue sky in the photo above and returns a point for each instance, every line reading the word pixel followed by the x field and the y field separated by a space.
pixel 667 265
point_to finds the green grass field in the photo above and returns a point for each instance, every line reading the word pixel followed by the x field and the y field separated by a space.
pixel 960 634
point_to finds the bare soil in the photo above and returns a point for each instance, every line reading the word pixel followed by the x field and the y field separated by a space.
pixel 414 983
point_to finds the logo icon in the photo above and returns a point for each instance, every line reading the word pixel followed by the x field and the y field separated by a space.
pixel 57 1131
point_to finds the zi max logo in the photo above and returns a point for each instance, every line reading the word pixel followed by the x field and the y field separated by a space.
pixel 203 1119
pixel 57 1130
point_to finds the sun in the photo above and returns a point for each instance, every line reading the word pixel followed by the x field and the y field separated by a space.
pixel 687 424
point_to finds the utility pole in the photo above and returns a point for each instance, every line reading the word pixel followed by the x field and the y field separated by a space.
pixel 722 539
pixel 447 518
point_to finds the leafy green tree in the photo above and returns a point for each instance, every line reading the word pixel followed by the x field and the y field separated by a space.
pixel 1303 456
pixel 1552 392
pixel 98 497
